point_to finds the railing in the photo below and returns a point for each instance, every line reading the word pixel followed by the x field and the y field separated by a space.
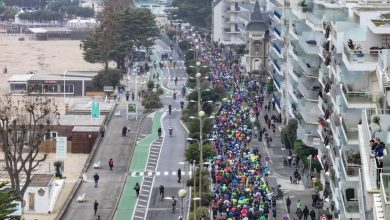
pixel 383 62
pixel 349 133
pixel 361 55
pixel 352 170
pixel 385 187
pixel 277 31
pixel 276 100
pixel 277 14
pixel 312 95
pixel 316 22
pixel 307 138
pixel 308 70
pixel 276 81
pixel 277 48
pixel 276 64
pixel 294 48
pixel 360 97
pixel 362 197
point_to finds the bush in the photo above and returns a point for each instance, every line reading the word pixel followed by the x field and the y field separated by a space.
pixel 151 101
pixel 110 78
pixel 201 212
pixel 289 133
pixel 303 152
pixel 150 85
pixel 184 45
pixel 171 34
pixel 192 153
pixel 205 182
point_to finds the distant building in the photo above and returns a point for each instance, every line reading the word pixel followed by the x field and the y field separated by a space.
pixel 76 83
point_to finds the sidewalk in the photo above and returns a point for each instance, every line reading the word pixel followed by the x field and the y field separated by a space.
pixel 128 200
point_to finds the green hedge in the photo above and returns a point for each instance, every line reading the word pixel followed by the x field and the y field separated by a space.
pixel 303 152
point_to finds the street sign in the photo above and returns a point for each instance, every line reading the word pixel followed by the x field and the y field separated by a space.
pixel 108 88
pixel 61 146
pixel 95 110
pixel 267 159
pixel 286 217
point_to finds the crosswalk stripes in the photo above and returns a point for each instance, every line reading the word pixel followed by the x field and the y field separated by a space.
pixel 158 173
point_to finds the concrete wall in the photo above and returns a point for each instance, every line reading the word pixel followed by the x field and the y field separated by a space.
pixel 218 12
pixel 41 203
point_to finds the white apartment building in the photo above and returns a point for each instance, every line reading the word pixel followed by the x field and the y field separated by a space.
pixel 230 18
pixel 329 62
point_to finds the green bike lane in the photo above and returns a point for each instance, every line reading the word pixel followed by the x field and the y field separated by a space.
pixel 128 199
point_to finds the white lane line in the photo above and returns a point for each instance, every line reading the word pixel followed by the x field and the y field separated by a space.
pixel 157 173
pixel 166 173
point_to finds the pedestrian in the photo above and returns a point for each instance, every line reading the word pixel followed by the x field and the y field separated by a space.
pixel 291 179
pixel 95 206
pixel 179 175
pixel 305 213
pixel 299 213
pixel 313 214
pixel 127 96
pixel 137 188
pixel 132 96
pixel 111 164
pixel 288 204
pixel 274 212
pixel 298 204
pixel 5 70
pixel 314 198
pixel 176 80
pixel 96 179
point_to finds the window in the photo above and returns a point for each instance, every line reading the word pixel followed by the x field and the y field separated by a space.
pixel 50 136
pixel 51 88
pixel 69 88
pixel 18 87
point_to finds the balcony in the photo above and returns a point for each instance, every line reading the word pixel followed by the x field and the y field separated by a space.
pixel 323 78
pixel 310 89
pixel 309 111
pixel 277 66
pixel 325 132
pixel 350 164
pixel 306 132
pixel 277 48
pixel 277 32
pixel 244 16
pixel 329 3
pixel 385 192
pixel 232 30
pixel 325 106
pixel 295 72
pixel 277 14
pixel 232 10
pixel 300 10
pixel 350 194
pixel 360 58
pixel 309 66
pixel 276 79
pixel 349 129
pixel 359 99
pixel 314 22
pixel 383 70
pixel 309 44
pixel 297 29
pixel 295 50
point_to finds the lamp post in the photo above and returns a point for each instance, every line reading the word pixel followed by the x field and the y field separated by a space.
pixel 201 121
pixel 182 193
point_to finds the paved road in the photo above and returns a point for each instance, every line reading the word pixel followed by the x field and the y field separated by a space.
pixel 113 146
pixel 171 156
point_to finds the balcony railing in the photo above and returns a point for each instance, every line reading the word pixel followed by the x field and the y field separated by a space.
pixel 275 62
pixel 385 188
pixel 310 94
pixel 351 134
pixel 309 69
pixel 361 55
pixel 358 97
pixel 277 14
pixel 277 31
pixel 277 48
pixel 315 22
pixel 351 164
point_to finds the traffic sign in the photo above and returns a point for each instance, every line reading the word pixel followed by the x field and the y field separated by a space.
pixel 267 159
pixel 286 217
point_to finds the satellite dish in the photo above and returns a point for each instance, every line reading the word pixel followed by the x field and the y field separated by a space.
pixel 253 1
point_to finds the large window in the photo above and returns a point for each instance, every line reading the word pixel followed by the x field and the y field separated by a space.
pixel 50 89
pixel 18 87
pixel 50 136
pixel 69 88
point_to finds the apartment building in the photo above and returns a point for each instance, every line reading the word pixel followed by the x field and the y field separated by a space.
pixel 230 18
pixel 328 60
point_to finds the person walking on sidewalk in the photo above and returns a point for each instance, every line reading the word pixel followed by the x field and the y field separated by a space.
pixel 305 213
pixel 179 175
pixel 137 188
pixel 111 164
pixel 288 204
pixel 95 206
pixel 299 204
pixel 313 214
pixel 299 214
pixel 96 179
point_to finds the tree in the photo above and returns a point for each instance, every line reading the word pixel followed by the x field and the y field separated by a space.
pixel 119 32
pixel 289 133
pixel 7 206
pixel 197 13
pixel 41 16
pixel 193 152
pixel 111 77
pixel 24 122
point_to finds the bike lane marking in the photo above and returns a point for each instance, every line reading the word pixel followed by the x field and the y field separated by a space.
pixel 128 200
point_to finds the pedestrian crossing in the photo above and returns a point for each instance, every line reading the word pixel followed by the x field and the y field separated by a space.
pixel 146 76
pixel 158 173
pixel 173 110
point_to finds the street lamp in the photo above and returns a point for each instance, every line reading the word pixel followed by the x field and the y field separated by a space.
pixel 182 193
pixel 195 199
pixel 201 121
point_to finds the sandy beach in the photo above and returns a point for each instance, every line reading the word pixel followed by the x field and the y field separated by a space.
pixel 41 57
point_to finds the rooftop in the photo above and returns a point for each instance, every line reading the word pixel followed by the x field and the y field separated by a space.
pixel 20 78
pixel 85 129
pixel 41 180
pixel 58 77
pixel 81 120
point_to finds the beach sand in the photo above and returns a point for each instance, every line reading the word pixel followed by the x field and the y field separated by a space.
pixel 41 57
